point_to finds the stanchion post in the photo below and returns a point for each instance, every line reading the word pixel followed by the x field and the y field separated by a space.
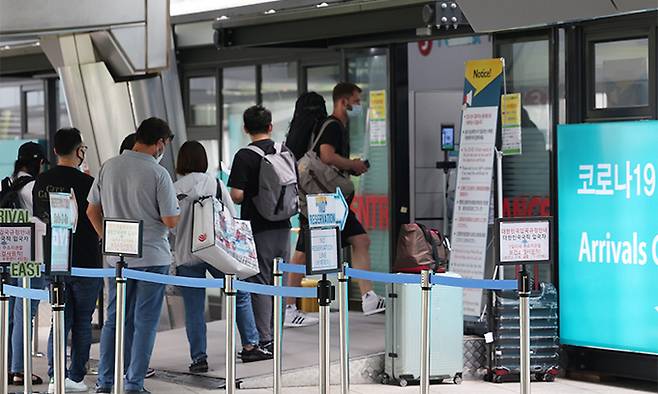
pixel 4 330
pixel 27 339
pixel 229 294
pixel 344 331
pixel 425 291
pixel 325 296
pixel 59 352
pixel 120 304
pixel 35 336
pixel 278 326
pixel 524 316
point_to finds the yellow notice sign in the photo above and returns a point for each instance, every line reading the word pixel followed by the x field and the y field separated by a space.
pixel 377 118
pixel 378 105
pixel 510 120
pixel 480 73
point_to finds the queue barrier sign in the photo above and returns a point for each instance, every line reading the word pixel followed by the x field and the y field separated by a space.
pixel 323 255
pixel 327 209
pixel 524 240
pixel 16 242
pixel 25 269
pixel 122 237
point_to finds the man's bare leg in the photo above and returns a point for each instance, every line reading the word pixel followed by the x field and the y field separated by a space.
pixel 295 280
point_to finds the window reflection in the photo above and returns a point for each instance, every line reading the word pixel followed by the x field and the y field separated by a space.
pixel 322 80
pixel 203 98
pixel 621 74
pixel 10 112
pixel 239 93
pixel 279 92
pixel 36 121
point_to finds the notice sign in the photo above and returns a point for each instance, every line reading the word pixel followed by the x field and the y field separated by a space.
pixel 324 246
pixel 524 240
pixel 16 242
pixel 510 120
pixel 377 118
pixel 60 251
pixel 25 269
pixel 483 81
pixel 63 210
pixel 122 237
pixel 327 210
pixel 14 215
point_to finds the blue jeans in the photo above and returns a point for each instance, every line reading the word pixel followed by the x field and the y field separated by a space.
pixel 17 330
pixel 195 322
pixel 143 308
pixel 80 295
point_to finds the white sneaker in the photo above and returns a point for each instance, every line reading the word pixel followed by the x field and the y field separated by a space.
pixel 296 318
pixel 70 386
pixel 371 303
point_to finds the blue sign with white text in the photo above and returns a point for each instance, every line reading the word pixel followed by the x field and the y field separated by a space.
pixel 608 235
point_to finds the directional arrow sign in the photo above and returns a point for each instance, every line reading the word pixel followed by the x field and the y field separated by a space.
pixel 327 210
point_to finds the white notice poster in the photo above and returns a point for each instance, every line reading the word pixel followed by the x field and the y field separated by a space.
pixel 122 238
pixel 472 200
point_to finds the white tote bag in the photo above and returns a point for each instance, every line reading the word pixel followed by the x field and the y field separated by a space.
pixel 222 241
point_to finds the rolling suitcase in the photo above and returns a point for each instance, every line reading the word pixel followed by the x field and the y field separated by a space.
pixel 403 315
pixel 504 353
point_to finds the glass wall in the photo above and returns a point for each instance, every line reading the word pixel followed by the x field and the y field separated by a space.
pixel 526 177
pixel 239 93
pixel 36 119
pixel 322 79
pixel 279 92
pixel 621 73
pixel 10 111
pixel 63 119
pixel 202 101
pixel 369 140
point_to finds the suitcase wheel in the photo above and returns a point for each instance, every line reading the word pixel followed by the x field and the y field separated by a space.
pixel 384 378
pixel 457 379
pixel 403 382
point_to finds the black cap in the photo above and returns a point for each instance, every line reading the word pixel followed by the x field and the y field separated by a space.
pixel 31 151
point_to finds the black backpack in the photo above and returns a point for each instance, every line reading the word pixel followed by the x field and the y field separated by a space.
pixel 310 113
pixel 9 196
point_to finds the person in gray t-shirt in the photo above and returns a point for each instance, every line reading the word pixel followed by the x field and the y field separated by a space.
pixel 134 186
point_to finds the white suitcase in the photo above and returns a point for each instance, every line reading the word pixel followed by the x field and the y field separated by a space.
pixel 403 340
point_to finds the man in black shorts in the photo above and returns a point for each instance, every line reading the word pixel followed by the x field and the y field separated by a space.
pixel 334 149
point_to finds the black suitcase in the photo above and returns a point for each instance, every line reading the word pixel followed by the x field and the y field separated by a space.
pixel 503 355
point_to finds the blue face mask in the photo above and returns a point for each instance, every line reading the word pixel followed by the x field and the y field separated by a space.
pixel 356 110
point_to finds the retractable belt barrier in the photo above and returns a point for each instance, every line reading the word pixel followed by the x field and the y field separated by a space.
pixel 231 285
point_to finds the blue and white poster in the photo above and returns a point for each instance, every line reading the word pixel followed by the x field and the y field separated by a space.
pixel 608 235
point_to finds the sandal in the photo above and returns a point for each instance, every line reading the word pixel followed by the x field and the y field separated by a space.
pixel 19 379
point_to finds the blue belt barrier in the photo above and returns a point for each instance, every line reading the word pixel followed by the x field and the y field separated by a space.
pixel 32 294
pixel 293 268
pixel 488 284
pixel 93 272
pixel 284 291
pixel 383 277
pixel 173 280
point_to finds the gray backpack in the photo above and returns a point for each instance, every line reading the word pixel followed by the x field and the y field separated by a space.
pixel 277 184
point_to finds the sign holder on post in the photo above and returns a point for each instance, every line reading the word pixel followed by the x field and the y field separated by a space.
pixel 229 295
pixel 425 292
pixel 4 328
pixel 121 238
pixel 344 323
pixel 523 241
pixel 278 326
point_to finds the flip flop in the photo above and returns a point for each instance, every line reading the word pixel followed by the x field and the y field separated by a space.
pixel 19 379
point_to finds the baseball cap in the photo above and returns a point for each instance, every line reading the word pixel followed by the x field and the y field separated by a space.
pixel 31 151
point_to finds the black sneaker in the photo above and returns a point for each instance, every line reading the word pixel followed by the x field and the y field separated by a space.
pixel 104 390
pixel 199 366
pixel 267 346
pixel 255 354
pixel 142 391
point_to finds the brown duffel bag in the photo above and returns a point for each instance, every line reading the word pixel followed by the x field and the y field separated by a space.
pixel 420 248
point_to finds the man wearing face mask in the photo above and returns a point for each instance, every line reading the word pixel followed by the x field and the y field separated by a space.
pixel 80 293
pixel 333 147
pixel 134 186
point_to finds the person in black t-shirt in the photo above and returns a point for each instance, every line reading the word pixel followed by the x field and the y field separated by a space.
pixel 333 148
pixel 80 293
pixel 272 238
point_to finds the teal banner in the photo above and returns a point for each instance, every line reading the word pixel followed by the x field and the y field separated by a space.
pixel 608 235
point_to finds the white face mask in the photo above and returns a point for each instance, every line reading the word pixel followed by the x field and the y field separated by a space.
pixel 159 156
pixel 356 110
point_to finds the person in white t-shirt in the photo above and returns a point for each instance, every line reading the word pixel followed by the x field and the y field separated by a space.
pixel 29 164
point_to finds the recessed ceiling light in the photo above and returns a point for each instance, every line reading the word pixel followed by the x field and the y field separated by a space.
pixel 222 18
pixel 322 5
pixel 270 12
